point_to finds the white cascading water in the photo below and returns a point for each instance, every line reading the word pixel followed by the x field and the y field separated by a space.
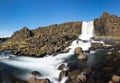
pixel 87 30
pixel 47 66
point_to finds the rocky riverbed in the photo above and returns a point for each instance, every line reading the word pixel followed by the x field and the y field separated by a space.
pixel 98 65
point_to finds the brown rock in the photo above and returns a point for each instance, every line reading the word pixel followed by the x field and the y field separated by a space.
pixel 32 80
pixel 65 50
pixel 97 45
pixel 86 71
pixel 109 53
pixel 78 50
pixel 35 80
pixel 73 74
pixel 82 56
pixel 110 81
pixel 116 78
pixel 81 78
pixel 36 73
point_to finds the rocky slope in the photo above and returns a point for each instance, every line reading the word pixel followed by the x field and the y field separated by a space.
pixel 107 25
pixel 43 40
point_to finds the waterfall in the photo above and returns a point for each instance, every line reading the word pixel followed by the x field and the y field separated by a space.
pixel 87 30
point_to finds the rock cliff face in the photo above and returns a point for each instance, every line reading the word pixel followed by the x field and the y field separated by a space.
pixel 43 40
pixel 107 25
pixel 22 34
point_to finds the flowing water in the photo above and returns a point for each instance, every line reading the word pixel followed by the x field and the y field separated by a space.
pixel 87 30
pixel 47 66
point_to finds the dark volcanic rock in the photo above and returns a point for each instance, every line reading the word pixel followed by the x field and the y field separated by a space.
pixel 61 67
pixel 2 39
pixel 36 73
pixel 62 75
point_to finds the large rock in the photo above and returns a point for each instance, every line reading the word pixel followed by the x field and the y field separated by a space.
pixel 36 73
pixel 61 67
pixel 73 74
pixel 78 51
pixel 116 79
pixel 62 75
pixel 35 80
pixel 81 78
pixel 82 56
pixel 97 45
pixel 86 71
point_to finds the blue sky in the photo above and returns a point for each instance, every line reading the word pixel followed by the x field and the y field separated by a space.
pixel 15 14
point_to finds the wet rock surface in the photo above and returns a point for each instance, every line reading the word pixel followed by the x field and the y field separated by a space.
pixel 36 73
pixel 104 67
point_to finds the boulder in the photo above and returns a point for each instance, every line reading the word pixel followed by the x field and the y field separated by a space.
pixel 110 81
pixel 62 75
pixel 86 71
pixel 61 67
pixel 32 80
pixel 82 56
pixel 81 78
pixel 97 45
pixel 35 80
pixel 109 53
pixel 73 74
pixel 66 50
pixel 78 50
pixel 115 79
pixel 36 73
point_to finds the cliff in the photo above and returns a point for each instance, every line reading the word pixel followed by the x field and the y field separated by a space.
pixel 107 25
pixel 43 40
